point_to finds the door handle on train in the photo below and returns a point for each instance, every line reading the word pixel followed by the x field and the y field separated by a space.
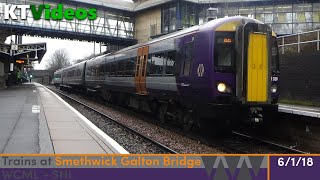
pixel 185 85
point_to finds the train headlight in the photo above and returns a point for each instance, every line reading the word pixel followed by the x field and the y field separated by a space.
pixel 222 87
pixel 274 89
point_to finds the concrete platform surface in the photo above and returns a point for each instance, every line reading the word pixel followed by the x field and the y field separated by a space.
pixel 300 110
pixel 35 120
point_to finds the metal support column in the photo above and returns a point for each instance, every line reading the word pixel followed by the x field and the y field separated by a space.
pixel 282 45
pixel 94 48
pixel 299 40
pixel 318 42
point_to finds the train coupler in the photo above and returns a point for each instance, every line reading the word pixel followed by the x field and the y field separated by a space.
pixel 255 115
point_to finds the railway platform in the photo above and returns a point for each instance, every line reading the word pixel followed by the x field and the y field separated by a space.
pixel 300 110
pixel 34 120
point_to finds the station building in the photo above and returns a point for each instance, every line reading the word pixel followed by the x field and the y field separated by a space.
pixel 144 20
pixel 157 17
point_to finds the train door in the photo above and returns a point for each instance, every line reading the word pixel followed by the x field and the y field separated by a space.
pixel 141 70
pixel 186 67
pixel 256 63
pixel 257 66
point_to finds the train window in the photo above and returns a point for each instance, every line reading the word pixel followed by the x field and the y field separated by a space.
pixel 224 51
pixel 88 73
pixel 122 67
pixel 101 70
pixel 188 58
pixel 224 57
pixel 116 69
pixel 156 63
pixel 106 69
pixel 112 69
pixel 129 68
pixel 171 63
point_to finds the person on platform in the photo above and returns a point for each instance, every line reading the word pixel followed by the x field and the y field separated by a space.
pixel 19 77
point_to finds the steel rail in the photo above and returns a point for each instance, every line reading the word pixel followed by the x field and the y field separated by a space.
pixel 275 145
pixel 163 147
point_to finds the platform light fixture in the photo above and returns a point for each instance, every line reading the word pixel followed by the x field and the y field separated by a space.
pixel 19 61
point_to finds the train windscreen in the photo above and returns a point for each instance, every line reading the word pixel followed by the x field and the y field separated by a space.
pixel 224 51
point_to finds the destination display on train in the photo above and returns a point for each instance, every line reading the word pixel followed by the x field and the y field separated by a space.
pixel 145 167
pixel 225 40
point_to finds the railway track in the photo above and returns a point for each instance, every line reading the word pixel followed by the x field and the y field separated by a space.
pixel 277 148
pixel 147 139
pixel 237 143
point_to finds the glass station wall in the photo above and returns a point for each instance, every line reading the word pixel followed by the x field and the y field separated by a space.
pixel 284 19
pixel 178 15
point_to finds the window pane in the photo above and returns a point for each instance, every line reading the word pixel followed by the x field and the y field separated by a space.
pixel 224 57
pixel 171 62
pixel 302 27
pixel 187 67
pixel 155 64
pixel 302 17
pixel 282 28
pixel 283 8
pixel 247 11
pixel 227 11
pixel 316 16
pixel 260 17
pixel 283 18
pixel 268 18
pixel 316 25
pixel 264 9
pixel 188 58
pixel 130 67
pixel 302 7
pixel 173 14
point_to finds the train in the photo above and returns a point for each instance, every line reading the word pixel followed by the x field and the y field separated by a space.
pixel 210 76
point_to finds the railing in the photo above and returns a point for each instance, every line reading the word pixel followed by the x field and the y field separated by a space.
pixel 310 37
pixel 114 24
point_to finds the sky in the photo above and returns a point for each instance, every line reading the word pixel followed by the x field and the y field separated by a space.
pixel 76 49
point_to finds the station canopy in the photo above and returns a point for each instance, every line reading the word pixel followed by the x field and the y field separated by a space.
pixel 31 52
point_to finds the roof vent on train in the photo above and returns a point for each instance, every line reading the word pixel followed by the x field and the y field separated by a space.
pixel 212 14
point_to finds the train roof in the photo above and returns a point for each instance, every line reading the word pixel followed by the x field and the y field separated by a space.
pixel 221 24
pixel 211 24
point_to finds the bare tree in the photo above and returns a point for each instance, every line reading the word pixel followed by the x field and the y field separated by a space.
pixel 59 59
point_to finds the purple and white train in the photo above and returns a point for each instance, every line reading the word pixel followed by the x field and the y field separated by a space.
pixel 210 75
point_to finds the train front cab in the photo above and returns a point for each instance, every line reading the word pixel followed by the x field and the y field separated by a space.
pixel 256 80
pixel 253 91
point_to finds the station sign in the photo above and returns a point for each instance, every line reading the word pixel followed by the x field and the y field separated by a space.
pixel 168 167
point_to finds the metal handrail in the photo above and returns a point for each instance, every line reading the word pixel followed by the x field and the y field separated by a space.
pixel 317 30
pixel 283 45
